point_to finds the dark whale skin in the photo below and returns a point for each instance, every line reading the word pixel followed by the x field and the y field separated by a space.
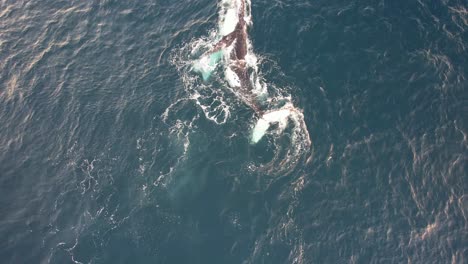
pixel 237 63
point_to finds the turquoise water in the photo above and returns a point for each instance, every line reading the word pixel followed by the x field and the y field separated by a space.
pixel 106 156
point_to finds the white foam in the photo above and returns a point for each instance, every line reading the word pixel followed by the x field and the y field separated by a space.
pixel 260 89
pixel 204 66
pixel 232 78
pixel 251 59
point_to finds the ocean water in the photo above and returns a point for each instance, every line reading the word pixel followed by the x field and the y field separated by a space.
pixel 114 150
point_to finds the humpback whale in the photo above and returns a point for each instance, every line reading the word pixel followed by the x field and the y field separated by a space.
pixel 237 42
pixel 229 49
pixel 240 72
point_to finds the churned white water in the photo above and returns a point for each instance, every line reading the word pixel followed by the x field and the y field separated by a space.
pixel 232 78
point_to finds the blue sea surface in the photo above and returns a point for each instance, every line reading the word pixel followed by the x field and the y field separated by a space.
pixel 104 158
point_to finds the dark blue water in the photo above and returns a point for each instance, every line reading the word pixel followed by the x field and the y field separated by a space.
pixel 94 167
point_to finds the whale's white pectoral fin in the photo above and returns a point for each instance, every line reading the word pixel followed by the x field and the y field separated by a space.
pixel 229 22
pixel 207 64
pixel 259 130
pixel 279 116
